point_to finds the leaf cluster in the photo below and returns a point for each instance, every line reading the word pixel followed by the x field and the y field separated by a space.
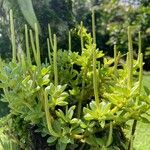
pixel 76 100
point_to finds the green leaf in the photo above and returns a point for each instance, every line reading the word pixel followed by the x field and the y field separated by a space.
pixel 93 105
pixel 61 103
pixel 51 139
pixel 45 80
pixel 64 139
pixel 57 126
pixel 60 114
pixel 44 71
pixel 147 90
pixel 91 140
pixel 145 120
pixel 74 121
pixel 102 123
pixel 77 131
pixel 28 12
pixel 70 112
pixel 61 146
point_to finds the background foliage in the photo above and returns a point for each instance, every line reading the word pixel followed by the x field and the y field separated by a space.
pixel 112 19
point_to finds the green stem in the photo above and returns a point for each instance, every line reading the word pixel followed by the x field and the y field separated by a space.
pixel 141 72
pixel 115 52
pixel 55 61
pixel 49 51
pixel 81 36
pixel 82 96
pixel 134 125
pixel 27 45
pixel 69 41
pixel 95 78
pixel 110 137
pixel 94 61
pixel 116 62
pixel 130 58
pixel 139 46
pixel 49 118
pixel 50 36
pixel 23 61
pixel 33 46
pixel 130 145
pixel 83 82
pixel 93 26
pixel 13 41
pixel 48 115
pixel 37 47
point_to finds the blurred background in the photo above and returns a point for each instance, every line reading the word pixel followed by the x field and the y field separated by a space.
pixel 112 19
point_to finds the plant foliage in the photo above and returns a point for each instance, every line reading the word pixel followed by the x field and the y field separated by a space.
pixel 74 100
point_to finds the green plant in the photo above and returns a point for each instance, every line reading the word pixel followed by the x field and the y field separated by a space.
pixel 74 101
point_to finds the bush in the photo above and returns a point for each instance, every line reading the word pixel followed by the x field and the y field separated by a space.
pixel 74 100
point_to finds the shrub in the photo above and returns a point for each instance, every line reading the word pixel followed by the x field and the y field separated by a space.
pixel 73 101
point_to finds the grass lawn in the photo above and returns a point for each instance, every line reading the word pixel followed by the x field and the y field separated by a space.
pixel 142 137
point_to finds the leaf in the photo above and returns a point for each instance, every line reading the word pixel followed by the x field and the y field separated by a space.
pixel 61 103
pixel 147 90
pixel 51 139
pixel 61 146
pixel 93 105
pixel 100 141
pixel 91 140
pixel 60 114
pixel 77 131
pixel 57 126
pixel 88 117
pixel 45 80
pixel 28 12
pixel 64 139
pixel 44 71
pixel 74 121
pixel 135 89
pixel 145 120
pixel 102 123
pixel 70 112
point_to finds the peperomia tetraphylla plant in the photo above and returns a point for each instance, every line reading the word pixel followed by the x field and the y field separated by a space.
pixel 73 101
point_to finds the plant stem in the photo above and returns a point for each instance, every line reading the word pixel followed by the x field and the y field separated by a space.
pixel 81 36
pixel 83 82
pixel 69 41
pixel 116 58
pixel 49 52
pixel 141 72
pixel 27 45
pixel 94 61
pixel 50 36
pixel 48 115
pixel 81 97
pixel 93 26
pixel 33 46
pixel 130 146
pixel 130 58
pixel 109 140
pixel 115 52
pixel 37 47
pixel 139 46
pixel 23 61
pixel 55 61
pixel 13 41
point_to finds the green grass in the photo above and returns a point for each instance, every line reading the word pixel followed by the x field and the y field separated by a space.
pixel 142 136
